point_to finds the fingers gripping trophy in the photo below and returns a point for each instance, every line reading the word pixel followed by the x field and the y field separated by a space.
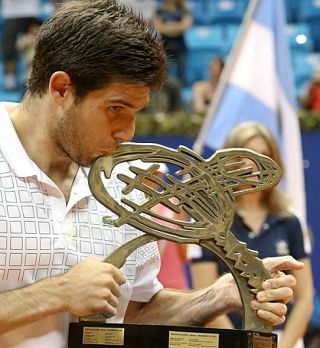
pixel 204 190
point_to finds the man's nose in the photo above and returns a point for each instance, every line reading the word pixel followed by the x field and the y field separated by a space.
pixel 126 133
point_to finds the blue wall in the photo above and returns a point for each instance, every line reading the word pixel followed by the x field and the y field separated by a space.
pixel 311 152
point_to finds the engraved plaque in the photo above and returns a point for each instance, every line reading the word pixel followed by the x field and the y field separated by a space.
pixel 96 335
pixel 263 341
pixel 103 336
pixel 182 339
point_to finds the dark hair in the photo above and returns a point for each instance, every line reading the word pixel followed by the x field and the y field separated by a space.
pixel 96 42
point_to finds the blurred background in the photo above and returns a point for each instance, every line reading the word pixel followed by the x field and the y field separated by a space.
pixel 214 29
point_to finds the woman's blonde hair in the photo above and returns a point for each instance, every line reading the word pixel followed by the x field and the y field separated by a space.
pixel 275 200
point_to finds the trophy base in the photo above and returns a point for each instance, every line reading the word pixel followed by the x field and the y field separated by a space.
pixel 96 335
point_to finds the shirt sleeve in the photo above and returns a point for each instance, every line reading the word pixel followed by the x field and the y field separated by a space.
pixel 146 283
pixel 299 241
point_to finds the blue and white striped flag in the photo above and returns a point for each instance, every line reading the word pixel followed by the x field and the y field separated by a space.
pixel 257 84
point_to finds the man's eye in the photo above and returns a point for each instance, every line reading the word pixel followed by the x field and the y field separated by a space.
pixel 115 108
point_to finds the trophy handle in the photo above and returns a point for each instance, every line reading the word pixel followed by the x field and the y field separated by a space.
pixel 118 258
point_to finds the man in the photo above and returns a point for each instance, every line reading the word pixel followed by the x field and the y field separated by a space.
pixel 94 65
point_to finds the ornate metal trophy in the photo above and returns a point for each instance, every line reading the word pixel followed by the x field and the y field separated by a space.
pixel 205 190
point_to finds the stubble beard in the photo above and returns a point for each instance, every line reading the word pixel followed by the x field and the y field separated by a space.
pixel 68 139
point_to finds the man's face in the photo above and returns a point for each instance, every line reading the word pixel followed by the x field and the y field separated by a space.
pixel 94 126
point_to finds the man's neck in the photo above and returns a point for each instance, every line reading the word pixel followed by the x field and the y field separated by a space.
pixel 32 120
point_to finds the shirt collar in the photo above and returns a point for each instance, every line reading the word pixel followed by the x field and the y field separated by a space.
pixel 80 187
pixel 271 219
pixel 12 149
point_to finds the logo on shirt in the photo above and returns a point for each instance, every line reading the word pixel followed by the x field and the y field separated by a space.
pixel 282 247
pixel 109 220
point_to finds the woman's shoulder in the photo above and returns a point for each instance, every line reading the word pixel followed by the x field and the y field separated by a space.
pixel 289 219
pixel 294 217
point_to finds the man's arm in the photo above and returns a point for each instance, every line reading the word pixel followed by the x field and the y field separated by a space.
pixel 203 274
pixel 23 306
pixel 91 287
pixel 198 307
pixel 199 96
pixel 193 307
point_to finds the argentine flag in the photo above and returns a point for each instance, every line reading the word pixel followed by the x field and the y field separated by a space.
pixel 257 84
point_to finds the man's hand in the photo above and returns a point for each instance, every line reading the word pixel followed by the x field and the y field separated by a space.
pixel 276 292
pixel 92 287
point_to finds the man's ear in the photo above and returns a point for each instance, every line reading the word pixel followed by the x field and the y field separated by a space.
pixel 60 87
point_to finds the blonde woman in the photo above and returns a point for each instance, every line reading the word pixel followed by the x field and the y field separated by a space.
pixel 266 223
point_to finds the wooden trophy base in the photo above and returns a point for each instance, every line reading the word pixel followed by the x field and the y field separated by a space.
pixel 87 334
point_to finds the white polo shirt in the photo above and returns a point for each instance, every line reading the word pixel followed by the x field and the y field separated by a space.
pixel 41 236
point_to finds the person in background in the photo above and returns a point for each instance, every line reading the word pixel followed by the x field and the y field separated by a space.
pixel 18 16
pixel 310 99
pixel 172 273
pixel 203 91
pixel 26 45
pixel 172 20
pixel 265 221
